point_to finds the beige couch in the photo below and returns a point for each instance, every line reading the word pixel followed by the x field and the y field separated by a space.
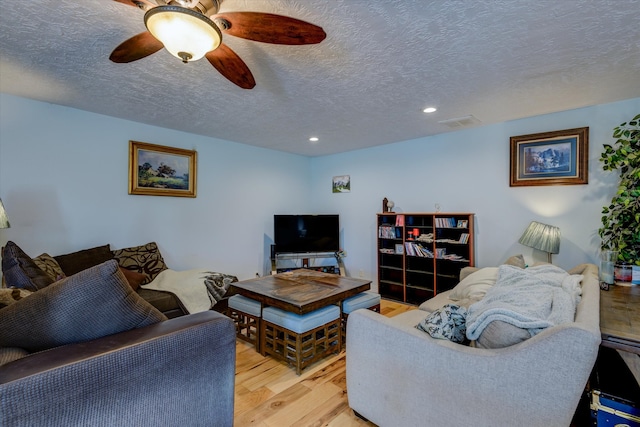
pixel 399 375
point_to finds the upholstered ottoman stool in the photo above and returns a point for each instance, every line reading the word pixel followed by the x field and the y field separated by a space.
pixel 369 300
pixel 303 339
pixel 246 314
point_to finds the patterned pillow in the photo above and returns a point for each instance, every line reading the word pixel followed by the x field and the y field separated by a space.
pixel 49 265
pixel 19 270
pixel 75 262
pixel 93 303
pixel 144 259
pixel 10 295
pixel 448 322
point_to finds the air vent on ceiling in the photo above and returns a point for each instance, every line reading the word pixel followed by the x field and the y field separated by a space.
pixel 460 122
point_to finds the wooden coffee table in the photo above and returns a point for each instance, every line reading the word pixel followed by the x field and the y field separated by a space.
pixel 300 291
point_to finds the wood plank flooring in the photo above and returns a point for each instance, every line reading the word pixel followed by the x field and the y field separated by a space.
pixel 270 394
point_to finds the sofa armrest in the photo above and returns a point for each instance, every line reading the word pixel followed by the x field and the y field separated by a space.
pixel 177 372
pixel 398 375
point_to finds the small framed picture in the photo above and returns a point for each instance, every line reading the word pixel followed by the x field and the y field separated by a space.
pixel 342 184
pixel 399 248
pixel 463 223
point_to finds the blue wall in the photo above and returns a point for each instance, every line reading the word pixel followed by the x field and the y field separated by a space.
pixel 64 180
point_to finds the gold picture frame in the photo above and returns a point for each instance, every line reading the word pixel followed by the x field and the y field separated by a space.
pixel 157 170
pixel 550 158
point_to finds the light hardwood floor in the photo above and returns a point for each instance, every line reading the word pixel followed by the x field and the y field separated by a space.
pixel 270 394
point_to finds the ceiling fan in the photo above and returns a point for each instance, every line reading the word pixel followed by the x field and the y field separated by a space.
pixel 192 29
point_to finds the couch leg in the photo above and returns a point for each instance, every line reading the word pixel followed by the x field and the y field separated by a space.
pixel 360 416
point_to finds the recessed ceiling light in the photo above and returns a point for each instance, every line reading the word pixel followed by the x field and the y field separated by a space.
pixel 313 139
pixel 430 110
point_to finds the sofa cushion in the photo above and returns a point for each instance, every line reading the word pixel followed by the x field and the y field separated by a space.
pixel 19 270
pixel 499 334
pixel 49 265
pixel 432 304
pixel 448 322
pixel 9 354
pixel 475 285
pixel 90 304
pixel 75 262
pixel 134 278
pixel 144 259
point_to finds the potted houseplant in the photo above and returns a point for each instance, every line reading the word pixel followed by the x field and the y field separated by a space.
pixel 620 229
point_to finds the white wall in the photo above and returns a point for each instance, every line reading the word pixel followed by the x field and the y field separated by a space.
pixel 64 183
pixel 468 171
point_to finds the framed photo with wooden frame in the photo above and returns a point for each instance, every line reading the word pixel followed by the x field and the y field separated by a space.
pixel 156 170
pixel 550 158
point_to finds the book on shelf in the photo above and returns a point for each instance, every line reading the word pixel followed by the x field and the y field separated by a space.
pixel 417 250
pixel 464 238
pixel 409 249
pixel 445 222
pixel 386 231
pixel 399 220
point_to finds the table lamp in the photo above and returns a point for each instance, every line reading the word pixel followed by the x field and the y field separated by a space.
pixel 543 237
pixel 4 220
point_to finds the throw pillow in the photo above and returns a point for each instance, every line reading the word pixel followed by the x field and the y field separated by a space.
pixel 134 278
pixel 448 322
pixel 81 260
pixel 144 259
pixel 499 334
pixel 10 295
pixel 516 261
pixel 88 305
pixel 467 271
pixel 475 285
pixel 49 265
pixel 19 270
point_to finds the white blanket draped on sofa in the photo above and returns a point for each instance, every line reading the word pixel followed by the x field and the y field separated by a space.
pixel 533 298
pixel 198 289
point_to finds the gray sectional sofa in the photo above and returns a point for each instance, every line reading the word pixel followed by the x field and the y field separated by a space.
pixel 88 350
pixel 400 375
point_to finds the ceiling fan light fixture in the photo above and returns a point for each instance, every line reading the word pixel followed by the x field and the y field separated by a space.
pixel 186 34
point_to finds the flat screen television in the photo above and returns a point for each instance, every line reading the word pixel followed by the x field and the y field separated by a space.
pixel 306 233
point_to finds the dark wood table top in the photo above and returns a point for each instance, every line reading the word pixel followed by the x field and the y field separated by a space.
pixel 300 291
pixel 620 318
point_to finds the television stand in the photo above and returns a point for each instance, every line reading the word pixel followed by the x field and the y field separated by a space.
pixel 304 259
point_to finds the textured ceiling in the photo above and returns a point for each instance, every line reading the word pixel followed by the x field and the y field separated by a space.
pixel 366 84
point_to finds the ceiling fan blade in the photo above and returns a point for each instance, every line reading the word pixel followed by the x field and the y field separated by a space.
pixel 229 64
pixel 270 28
pixel 137 47
pixel 142 4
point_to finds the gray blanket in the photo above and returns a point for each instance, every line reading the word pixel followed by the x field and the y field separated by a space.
pixel 533 299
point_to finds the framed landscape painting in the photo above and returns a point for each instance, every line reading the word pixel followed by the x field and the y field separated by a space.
pixel 156 170
pixel 341 184
pixel 550 158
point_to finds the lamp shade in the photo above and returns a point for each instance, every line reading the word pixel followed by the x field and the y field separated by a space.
pixel 543 237
pixel 4 220
pixel 185 33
